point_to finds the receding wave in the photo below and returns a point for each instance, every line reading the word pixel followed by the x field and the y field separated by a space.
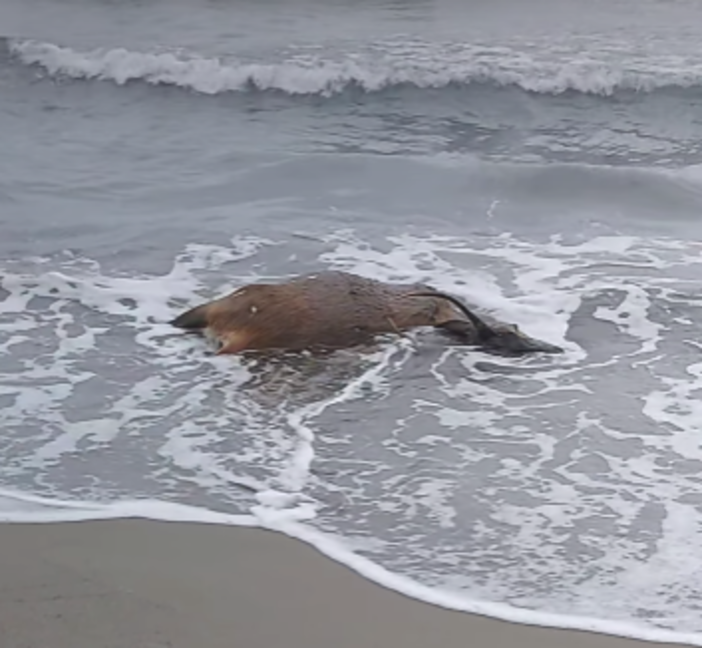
pixel 536 490
pixel 599 71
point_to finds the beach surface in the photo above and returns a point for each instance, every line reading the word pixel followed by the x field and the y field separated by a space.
pixel 143 584
pixel 539 160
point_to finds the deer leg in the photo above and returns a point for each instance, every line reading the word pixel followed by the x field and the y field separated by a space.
pixel 393 326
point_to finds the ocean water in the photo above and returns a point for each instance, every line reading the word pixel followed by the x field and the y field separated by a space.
pixel 540 159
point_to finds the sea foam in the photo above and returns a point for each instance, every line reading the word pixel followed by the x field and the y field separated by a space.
pixel 18 507
pixel 600 71
pixel 419 500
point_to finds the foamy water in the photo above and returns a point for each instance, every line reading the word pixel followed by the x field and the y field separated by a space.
pixel 548 470
pixel 541 163
pixel 589 67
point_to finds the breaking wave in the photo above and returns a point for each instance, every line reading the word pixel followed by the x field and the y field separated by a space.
pixel 598 71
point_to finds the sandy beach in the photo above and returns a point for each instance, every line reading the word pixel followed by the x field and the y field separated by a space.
pixel 142 584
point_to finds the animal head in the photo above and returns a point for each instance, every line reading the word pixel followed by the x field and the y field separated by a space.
pixel 499 337
pixel 508 338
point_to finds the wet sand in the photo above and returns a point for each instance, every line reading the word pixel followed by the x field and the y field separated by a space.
pixel 142 584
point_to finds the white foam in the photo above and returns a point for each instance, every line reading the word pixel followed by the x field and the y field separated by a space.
pixel 599 70
pixel 541 309
pixel 198 427
pixel 411 588
pixel 296 473
pixel 18 507
pixel 679 406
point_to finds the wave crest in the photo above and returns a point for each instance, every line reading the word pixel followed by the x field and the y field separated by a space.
pixel 603 72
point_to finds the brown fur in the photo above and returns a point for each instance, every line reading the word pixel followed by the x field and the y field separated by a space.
pixel 324 310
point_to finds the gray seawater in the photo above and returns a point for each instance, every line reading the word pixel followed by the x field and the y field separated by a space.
pixel 541 160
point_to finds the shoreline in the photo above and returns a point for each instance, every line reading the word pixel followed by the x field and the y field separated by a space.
pixel 134 583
